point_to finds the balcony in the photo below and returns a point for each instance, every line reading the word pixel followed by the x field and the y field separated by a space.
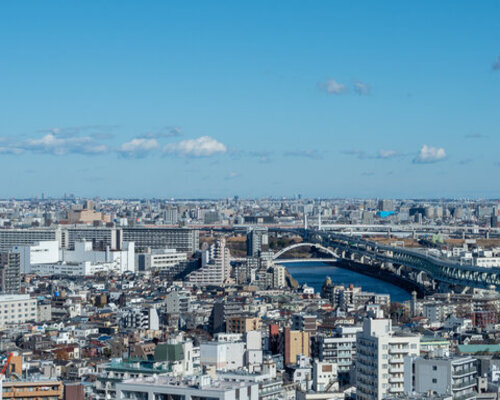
pixel 396 380
pixel 463 385
pixel 463 372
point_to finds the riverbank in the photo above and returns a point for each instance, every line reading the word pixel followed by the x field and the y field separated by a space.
pixel 386 276
pixel 314 274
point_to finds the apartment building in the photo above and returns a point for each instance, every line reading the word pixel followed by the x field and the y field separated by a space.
pixel 10 272
pixel 17 309
pixel 380 353
pixel 456 376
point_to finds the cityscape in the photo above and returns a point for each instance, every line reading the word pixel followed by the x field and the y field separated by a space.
pixel 250 298
pixel 266 200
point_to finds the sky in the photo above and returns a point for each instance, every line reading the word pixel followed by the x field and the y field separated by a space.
pixel 213 99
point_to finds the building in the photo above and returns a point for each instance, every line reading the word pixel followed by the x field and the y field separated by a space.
pixel 178 301
pixel 44 252
pixel 256 238
pixel 168 260
pixel 84 268
pixel 223 354
pixel 36 389
pixel 10 272
pixel 242 324
pixel 182 239
pixel 140 318
pixel 17 309
pixel 202 388
pixel 441 375
pixel 304 322
pixel 296 343
pixel 215 266
pixel 339 349
pixel 18 237
pixel 380 356
pixel 121 261
pixel 351 297
pixel 86 215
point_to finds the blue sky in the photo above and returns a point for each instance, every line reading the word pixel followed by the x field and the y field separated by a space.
pixel 213 99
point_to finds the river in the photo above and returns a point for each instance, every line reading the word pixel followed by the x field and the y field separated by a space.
pixel 314 274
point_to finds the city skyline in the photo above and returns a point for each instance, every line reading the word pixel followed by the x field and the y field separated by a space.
pixel 213 100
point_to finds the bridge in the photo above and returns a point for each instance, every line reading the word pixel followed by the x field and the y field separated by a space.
pixel 305 244
pixel 423 268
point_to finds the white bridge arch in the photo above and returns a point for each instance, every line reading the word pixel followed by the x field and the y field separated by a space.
pixel 305 244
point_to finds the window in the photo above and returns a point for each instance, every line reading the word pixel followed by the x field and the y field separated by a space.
pixel 434 380
pixel 434 367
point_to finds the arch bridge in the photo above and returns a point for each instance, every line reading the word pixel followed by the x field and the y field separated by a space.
pixel 305 244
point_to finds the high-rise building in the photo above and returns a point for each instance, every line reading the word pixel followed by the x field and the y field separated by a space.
pixel 10 272
pixel 256 238
pixel 216 267
pixel 380 359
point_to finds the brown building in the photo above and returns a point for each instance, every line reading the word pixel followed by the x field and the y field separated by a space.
pixel 33 390
pixel 242 324
pixel 296 342
pixel 74 391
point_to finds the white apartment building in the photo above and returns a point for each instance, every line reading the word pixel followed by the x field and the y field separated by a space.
pixel 17 309
pixel 339 349
pixel 441 375
pixel 215 268
pixel 380 359
pixel 44 252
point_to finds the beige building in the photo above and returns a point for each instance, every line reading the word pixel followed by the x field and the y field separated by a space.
pixel 239 324
pixel 37 390
pixel 296 343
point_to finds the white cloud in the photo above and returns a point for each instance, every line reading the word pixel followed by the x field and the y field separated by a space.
pixel 430 154
pixel 363 89
pixel 331 86
pixel 383 153
pixel 138 147
pixel 204 146
pixel 52 144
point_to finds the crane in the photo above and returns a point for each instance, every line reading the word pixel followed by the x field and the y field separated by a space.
pixel 2 373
